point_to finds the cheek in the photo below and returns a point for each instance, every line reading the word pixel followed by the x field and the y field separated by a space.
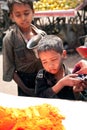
pixel 58 64
pixel 44 66
pixel 30 16
pixel 12 18
pixel 15 19
pixel 56 67
pixel 30 19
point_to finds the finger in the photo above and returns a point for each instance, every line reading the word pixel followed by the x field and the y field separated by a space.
pixel 76 68
pixel 84 86
pixel 79 72
pixel 73 75
pixel 78 89
pixel 82 71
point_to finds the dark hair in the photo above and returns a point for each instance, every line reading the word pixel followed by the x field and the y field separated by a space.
pixel 10 3
pixel 50 42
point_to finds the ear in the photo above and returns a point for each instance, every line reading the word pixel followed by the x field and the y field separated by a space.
pixel 64 54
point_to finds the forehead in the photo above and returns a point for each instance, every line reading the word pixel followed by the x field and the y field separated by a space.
pixel 49 54
pixel 22 6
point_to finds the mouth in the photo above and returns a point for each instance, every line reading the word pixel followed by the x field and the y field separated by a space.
pixel 53 71
pixel 25 23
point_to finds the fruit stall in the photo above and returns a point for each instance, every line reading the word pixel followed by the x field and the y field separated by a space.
pixel 61 8
pixel 65 18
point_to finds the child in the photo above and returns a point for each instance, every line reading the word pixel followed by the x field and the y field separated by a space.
pixel 20 63
pixel 55 80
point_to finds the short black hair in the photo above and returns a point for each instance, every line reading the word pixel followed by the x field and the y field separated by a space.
pixel 10 3
pixel 50 42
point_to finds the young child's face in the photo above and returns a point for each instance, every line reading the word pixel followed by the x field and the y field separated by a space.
pixel 51 61
pixel 22 15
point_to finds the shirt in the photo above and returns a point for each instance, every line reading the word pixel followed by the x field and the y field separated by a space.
pixel 44 83
pixel 16 56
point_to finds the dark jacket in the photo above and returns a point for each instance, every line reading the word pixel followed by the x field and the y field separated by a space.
pixel 44 83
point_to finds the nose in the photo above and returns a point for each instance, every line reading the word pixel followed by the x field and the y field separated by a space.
pixel 23 17
pixel 51 65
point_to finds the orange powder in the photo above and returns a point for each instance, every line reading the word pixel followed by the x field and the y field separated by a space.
pixel 40 117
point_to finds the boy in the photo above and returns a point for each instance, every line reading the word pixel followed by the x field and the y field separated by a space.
pixel 20 63
pixel 55 80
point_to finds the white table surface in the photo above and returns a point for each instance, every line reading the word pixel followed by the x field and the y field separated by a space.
pixel 74 111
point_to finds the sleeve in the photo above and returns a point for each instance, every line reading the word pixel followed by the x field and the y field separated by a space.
pixel 8 58
pixel 42 88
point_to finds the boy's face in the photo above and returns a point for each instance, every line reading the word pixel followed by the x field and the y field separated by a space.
pixel 22 15
pixel 52 60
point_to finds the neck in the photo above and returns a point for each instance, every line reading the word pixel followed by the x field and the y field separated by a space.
pixel 28 33
pixel 60 73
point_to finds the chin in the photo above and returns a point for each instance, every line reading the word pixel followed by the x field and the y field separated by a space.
pixel 53 72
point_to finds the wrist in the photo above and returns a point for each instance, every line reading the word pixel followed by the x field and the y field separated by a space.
pixel 57 87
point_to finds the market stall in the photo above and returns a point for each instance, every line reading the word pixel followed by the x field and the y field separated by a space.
pixel 67 10
pixel 56 13
pixel 67 20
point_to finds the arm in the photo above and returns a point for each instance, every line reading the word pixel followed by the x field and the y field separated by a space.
pixel 80 91
pixel 9 66
pixel 69 80
pixel 26 90
pixel 8 59
pixel 42 88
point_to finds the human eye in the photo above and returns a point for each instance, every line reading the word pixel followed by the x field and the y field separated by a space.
pixel 26 13
pixel 54 59
pixel 18 15
pixel 44 62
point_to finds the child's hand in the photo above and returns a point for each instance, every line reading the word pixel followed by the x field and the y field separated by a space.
pixel 71 80
pixel 78 88
pixel 81 87
pixel 84 84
